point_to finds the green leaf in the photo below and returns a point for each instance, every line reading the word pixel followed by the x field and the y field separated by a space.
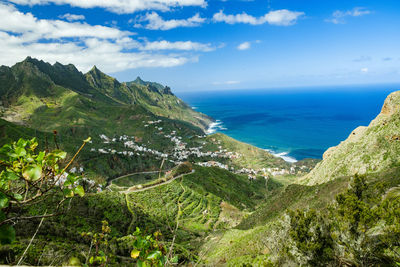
pixel 72 178
pixel 22 142
pixel 135 253
pixel 68 192
pixel 11 176
pixel 20 151
pixel 32 173
pixel 3 201
pixel 18 196
pixel 40 157
pixel 28 158
pixel 59 154
pixel 154 255
pixel 33 144
pixel 142 263
pixel 79 190
pixel 7 234
pixel 175 259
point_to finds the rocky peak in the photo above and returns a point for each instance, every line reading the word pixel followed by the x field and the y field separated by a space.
pixel 392 104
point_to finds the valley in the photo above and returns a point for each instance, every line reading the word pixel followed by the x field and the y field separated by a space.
pixel 149 165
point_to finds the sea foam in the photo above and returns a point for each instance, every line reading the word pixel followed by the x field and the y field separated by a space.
pixel 215 126
pixel 283 155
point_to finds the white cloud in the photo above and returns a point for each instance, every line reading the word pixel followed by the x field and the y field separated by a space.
pixel 118 6
pixel 155 22
pixel 338 17
pixel 31 28
pixel 226 83
pixel 281 17
pixel 364 70
pixel 72 17
pixel 85 45
pixel 188 46
pixel 244 46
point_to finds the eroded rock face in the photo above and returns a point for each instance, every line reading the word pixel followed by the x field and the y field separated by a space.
pixel 392 104
pixel 367 149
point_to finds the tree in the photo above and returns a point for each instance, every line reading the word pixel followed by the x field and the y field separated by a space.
pixel 311 237
pixel 361 228
pixel 28 178
pixel 100 243
pixel 148 251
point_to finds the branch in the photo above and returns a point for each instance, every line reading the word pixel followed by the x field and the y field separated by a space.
pixel 33 237
pixel 73 158
pixel 177 225
pixel 28 217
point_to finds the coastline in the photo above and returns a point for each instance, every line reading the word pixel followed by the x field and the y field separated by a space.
pixel 214 127
pixel 283 155
pixel 303 123
pixel 217 125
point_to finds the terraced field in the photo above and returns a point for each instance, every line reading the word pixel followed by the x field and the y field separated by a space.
pixel 197 212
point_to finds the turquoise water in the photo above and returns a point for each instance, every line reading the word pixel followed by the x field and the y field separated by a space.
pixel 297 123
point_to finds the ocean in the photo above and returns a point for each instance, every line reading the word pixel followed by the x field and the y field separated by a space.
pixel 292 123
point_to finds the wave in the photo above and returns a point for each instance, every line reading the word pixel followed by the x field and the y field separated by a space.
pixel 215 126
pixel 283 155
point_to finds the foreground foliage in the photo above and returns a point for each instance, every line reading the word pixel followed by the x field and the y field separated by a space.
pixel 28 178
pixel 361 228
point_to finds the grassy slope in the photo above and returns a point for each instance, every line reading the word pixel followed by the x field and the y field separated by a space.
pixel 167 105
pixel 253 157
pixel 373 150
pixel 367 149
pixel 202 198
pixel 248 242
pixel 37 95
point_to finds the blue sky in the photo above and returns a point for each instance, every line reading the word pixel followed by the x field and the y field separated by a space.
pixel 211 45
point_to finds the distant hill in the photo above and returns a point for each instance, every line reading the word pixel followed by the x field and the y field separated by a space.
pixel 32 86
pixel 38 98
pixel 367 149
pixel 228 208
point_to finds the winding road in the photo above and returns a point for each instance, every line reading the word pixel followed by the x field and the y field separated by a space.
pixel 156 185
pixel 146 188
pixel 130 174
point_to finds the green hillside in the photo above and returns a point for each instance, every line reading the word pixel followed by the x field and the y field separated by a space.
pixel 44 97
pixel 202 200
pixel 32 85
pixel 368 149
pixel 252 240
pixel 210 200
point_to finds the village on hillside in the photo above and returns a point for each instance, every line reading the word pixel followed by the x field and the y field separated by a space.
pixel 181 152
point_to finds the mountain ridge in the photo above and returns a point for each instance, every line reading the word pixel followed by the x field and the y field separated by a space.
pixel 228 210
pixel 38 79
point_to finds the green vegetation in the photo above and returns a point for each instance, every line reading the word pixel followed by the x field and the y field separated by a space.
pixel 149 169
pixel 361 228
pixel 136 179
pixel 262 233
pixel 368 149
pixel 28 178
pixel 148 251
pixel 252 157
pixel 100 243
